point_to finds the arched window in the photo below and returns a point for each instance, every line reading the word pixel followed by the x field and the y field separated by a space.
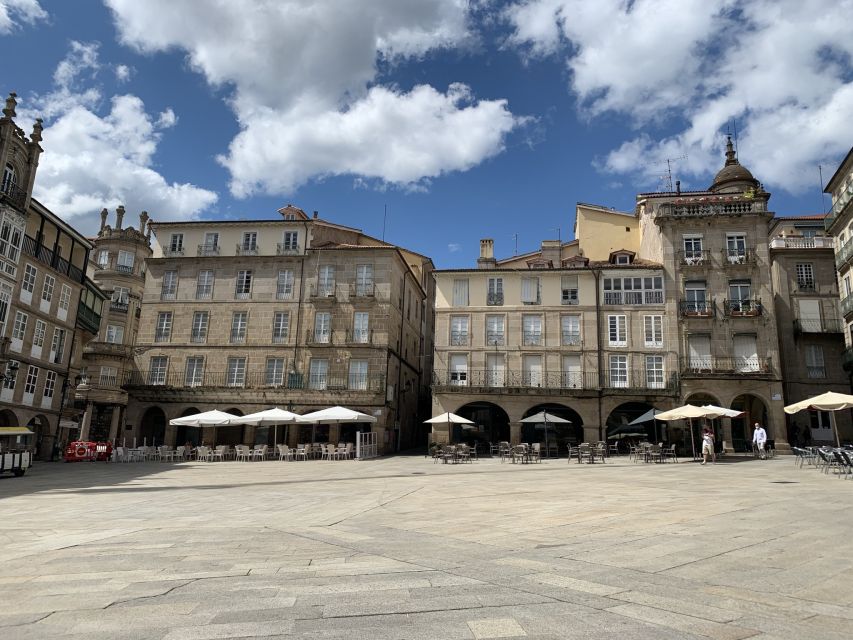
pixel 10 178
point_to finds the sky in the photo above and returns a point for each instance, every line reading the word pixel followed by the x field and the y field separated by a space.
pixel 433 123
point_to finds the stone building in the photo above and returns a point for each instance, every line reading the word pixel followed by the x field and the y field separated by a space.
pixel 296 312
pixel 811 333
pixel 117 266
pixel 48 306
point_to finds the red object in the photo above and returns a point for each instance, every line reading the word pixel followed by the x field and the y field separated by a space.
pixel 80 451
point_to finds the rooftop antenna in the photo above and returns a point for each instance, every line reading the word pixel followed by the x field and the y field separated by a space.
pixel 734 123
pixel 559 237
pixel 667 178
pixel 384 220
pixel 820 189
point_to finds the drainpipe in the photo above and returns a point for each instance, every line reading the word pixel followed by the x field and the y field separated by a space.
pixel 299 301
pixel 400 361
pixel 600 354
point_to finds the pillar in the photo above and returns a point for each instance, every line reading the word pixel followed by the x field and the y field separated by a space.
pixel 170 435
pixel 727 435
pixel 590 433
pixel 334 433
pixel 87 421
pixel 114 425
pixel 515 433
pixel 249 435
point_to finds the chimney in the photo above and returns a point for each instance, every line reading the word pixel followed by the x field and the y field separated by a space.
pixel 316 214
pixel 143 219
pixel 551 252
pixel 678 187
pixel 487 254
pixel 104 214
pixel 119 216
pixel 11 103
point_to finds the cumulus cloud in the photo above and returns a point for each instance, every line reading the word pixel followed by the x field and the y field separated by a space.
pixel 122 72
pixel 94 159
pixel 15 12
pixel 780 68
pixel 306 91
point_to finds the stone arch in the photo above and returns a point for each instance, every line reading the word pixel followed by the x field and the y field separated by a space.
pixel 490 420
pixel 184 434
pixel 232 434
pixel 699 399
pixel 619 422
pixel 152 428
pixel 755 409
pixel 563 434
pixel 8 418
pixel 40 426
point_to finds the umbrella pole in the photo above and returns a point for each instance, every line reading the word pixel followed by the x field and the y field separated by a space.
pixel 834 428
pixel 274 435
pixel 692 437
pixel 546 435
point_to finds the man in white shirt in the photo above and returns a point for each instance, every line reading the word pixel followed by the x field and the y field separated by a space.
pixel 759 437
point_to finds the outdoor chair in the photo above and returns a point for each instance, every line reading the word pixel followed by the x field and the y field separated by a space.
pixel 284 452
pixel 669 453
pixel 600 451
pixel 842 462
pixel 584 453
pixel 613 448
pixel 259 452
pixel 472 451
pixel 329 452
pixel 244 454
pixel 349 450
pixel 300 452
pixel 463 453
pixel 494 448
pixel 504 450
pixel 165 453
pixel 570 453
pixel 536 452
pixel 654 453
pixel 119 455
pixel 203 453
pixel 178 456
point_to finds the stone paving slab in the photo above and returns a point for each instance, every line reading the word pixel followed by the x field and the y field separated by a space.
pixel 400 548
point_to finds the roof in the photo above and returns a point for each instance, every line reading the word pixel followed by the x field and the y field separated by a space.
pixel 59 222
pixel 604 209
pixel 839 172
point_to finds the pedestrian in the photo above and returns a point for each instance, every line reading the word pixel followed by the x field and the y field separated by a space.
pixel 708 446
pixel 759 438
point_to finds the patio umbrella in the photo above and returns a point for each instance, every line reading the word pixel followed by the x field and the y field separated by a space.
pixel 648 416
pixel 688 412
pixel 831 401
pixel 214 418
pixel 335 415
pixel 543 418
pixel 632 434
pixel 269 417
pixel 724 413
pixel 448 419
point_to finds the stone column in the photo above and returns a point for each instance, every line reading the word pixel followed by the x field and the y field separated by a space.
pixel 87 421
pixel 515 433
pixel 170 435
pixel 249 435
pixel 590 433
pixel 114 424
pixel 334 433
pixel 727 435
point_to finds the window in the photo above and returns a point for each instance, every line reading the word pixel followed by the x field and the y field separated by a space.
pixel 631 290
pixel 618 371
pixel 572 378
pixel 239 324
pixel 699 348
pixel 618 330
pixel 194 372
pixel 28 284
pixel 815 366
pixel 38 334
pixel 530 291
pixel 740 290
pixel 204 285
pixel 57 345
pixel 459 331
pixel 31 380
pixel 569 290
pixel 746 353
pixel 460 292
pixel 736 248
pixel 323 327
pixel 495 369
pixel 211 240
pixel 11 376
pixel 458 370
pixel 326 281
pixel 235 373
pixel 157 370
pixel 623 258
pixel 47 289
pixel 64 297
pixel 570 329
pixel 290 241
pixel 243 289
pixel 810 319
pixel 108 377
pixel 358 375
pixel 364 280
pixel 531 371
pixel 274 373
pixel 169 287
pixel 103 258
pixel 10 179
pixel 120 297
pixel 11 237
pixel 495 292
pixel 654 372
pixel 5 299
pixel 653 331
pixel 115 334
pixel 49 384
pixel 164 327
pixel 695 297
pixel 805 277
pixel 318 374
pixel 693 250
pixel 250 242
pixel 360 328
pixel 848 289
pixel 280 327
pixel 532 330
pixel 176 243
pixel 284 285
pixel 19 328
pixel 495 331
pixel 125 261
pixel 198 332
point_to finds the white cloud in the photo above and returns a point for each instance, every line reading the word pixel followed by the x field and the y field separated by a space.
pixel 304 77
pixel 93 161
pixel 122 72
pixel 15 12
pixel 781 68
pixel 453 247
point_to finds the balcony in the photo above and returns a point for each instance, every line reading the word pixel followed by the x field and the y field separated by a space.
pixel 361 336
pixel 494 299
pixel 322 291
pixel 208 250
pixel 815 372
pixel 844 254
pixel 532 339
pixel 162 336
pixel 619 298
pixel 198 338
pixel 362 290
pixel 742 308
pixel 817 325
pixel 46 256
pixel 696 309
pixel 738 257
pixel 847 305
pixel 372 383
pixel 203 293
pixel 88 319
pixel 118 307
pixel 173 252
pixel 706 365
pixel 499 381
pixel 313 336
pixel 286 249
pixel 806 285
pixel 712 206
pixel 247 250
pixel 242 295
pixel 571 339
pixel 817 242
pixel 108 349
pixel 694 258
pixel 279 339
pixel 460 339
pixel 495 339
pixel 237 337
pixel 15 196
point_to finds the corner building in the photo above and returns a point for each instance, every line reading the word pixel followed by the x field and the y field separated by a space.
pixel 297 312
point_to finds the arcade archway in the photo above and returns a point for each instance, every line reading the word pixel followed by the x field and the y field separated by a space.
pixel 754 410
pixel 232 434
pixel 620 419
pixel 491 423
pixel 563 434
pixel 184 434
pixel 152 429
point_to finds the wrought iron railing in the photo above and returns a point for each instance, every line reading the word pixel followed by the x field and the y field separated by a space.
pixel 844 254
pixel 571 338
pixel 247 249
pixel 494 299
pixel 370 383
pixel 173 252
pixel 87 318
pixel 284 249
pixel 15 196
pixel 323 290
pixel 46 256
pixel 208 250
pixel 119 307
pixel 498 380
pixel 847 305
pixel 691 309
pixel 700 365
pixel 619 298
pixel 460 338
pixel 694 257
pixel 532 339
pixel 362 290
pixel 733 257
pixel 742 308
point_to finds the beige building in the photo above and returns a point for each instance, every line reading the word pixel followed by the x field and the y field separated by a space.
pixel 811 332
pixel 48 307
pixel 839 223
pixel 296 312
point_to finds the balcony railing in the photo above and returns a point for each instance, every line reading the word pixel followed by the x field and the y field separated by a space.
pixel 697 309
pixel 815 372
pixel 15 196
pixel 532 339
pixel 844 254
pixel 702 365
pixel 818 325
pixel 162 336
pixel 247 250
pixel 88 319
pixel 734 257
pixel 46 256
pixel 198 338
pixel 372 383
pixel 729 206
pixel 238 337
pixel 569 296
pixel 742 308
pixel 203 293
pixel 571 339
pixel 495 339
pixel 498 380
pixel 283 249
pixel 694 257
pixel 460 339
pixel 323 290
pixel 847 305
pixel 242 295
pixel 313 336
pixel 279 339
pixel 173 252
pixel 619 298
pixel 118 307
pixel 360 337
pixel 494 299
pixel 817 242
pixel 208 250
pixel 362 290
pixel 168 295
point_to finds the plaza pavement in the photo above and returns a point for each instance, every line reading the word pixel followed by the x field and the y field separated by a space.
pixel 403 548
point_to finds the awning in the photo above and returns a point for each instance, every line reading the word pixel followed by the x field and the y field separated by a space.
pixel 15 431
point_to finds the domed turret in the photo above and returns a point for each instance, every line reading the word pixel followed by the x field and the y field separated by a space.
pixel 733 177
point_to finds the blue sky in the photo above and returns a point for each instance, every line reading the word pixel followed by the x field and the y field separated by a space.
pixel 466 119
